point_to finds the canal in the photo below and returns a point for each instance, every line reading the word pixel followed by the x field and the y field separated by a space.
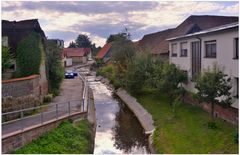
pixel 118 130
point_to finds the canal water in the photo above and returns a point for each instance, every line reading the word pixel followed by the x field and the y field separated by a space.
pixel 118 130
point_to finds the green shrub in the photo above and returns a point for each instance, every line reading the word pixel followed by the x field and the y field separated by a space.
pixel 212 125
pixel 6 58
pixel 55 92
pixel 29 55
pixel 67 138
pixel 235 137
pixel 48 98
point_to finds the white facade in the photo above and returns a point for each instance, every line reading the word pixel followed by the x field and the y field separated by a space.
pixel 224 41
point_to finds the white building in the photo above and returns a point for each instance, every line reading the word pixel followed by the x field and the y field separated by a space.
pixel 197 51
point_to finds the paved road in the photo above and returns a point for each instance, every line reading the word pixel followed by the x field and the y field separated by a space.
pixel 71 90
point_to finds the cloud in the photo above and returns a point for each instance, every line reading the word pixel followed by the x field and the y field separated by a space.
pixel 66 19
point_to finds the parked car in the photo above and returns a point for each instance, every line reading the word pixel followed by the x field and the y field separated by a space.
pixel 69 74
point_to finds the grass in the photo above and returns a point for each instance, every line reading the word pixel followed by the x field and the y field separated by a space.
pixel 67 138
pixel 188 132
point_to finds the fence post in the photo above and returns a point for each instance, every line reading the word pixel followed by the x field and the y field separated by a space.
pixel 56 111
pixel 69 108
pixel 21 119
pixel 83 103
pixel 41 117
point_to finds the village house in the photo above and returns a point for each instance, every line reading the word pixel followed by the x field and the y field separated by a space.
pixel 105 53
pixel 76 55
pixel 13 32
pixel 199 51
pixel 157 43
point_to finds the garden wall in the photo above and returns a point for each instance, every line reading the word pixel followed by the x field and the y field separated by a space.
pixel 228 114
pixel 21 93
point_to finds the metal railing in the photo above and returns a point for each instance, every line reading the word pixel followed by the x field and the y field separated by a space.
pixel 52 112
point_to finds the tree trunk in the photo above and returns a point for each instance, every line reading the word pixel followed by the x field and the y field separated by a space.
pixel 212 111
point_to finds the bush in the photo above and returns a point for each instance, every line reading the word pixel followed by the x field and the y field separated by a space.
pixel 6 58
pixel 212 125
pixel 48 98
pixel 67 138
pixel 29 55
pixel 235 137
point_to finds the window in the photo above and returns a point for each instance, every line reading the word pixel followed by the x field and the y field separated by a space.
pixel 211 49
pixel 174 50
pixel 183 52
pixel 236 49
pixel 237 87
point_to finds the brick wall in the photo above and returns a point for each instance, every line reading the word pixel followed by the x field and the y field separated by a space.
pixel 228 114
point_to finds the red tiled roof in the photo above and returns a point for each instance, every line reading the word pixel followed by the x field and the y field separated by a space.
pixel 76 52
pixel 103 51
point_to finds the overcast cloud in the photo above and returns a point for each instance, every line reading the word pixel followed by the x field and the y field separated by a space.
pixel 65 20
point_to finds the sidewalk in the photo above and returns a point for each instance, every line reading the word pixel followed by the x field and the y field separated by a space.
pixel 71 90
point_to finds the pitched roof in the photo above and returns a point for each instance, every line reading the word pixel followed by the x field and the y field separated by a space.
pixel 211 30
pixel 195 23
pixel 76 52
pixel 17 30
pixel 103 51
pixel 156 42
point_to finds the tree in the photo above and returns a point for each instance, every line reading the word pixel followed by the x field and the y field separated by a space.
pixel 171 80
pixel 6 58
pixel 213 87
pixel 124 34
pixel 123 49
pixel 83 41
pixel 55 68
pixel 72 45
pixel 29 55
pixel 138 73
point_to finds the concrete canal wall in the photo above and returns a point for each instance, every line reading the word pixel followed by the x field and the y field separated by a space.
pixel 142 115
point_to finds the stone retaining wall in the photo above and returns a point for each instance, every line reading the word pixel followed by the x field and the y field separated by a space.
pixel 21 93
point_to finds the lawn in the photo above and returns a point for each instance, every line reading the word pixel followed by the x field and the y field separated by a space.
pixel 188 132
pixel 68 138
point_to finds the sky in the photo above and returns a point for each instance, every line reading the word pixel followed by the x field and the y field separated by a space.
pixel 66 19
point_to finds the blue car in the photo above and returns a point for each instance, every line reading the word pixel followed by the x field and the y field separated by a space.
pixel 69 74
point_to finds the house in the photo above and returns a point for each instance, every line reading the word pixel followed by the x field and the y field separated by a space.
pixel 76 55
pixel 12 34
pixel 197 51
pixel 158 43
pixel 14 31
pixel 105 53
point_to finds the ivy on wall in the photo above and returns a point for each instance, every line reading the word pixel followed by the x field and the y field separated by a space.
pixel 54 67
pixel 29 55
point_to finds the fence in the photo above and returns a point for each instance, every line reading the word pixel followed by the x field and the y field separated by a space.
pixel 40 115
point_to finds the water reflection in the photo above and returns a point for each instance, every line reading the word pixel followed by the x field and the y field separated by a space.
pixel 118 130
pixel 128 133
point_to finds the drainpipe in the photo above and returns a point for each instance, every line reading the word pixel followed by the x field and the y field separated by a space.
pixel 200 48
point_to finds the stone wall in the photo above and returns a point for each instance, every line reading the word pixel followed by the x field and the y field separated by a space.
pixel 228 114
pixel 20 93
pixel 21 86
